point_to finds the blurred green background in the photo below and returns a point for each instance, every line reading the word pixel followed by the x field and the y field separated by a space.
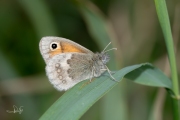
pixel 131 25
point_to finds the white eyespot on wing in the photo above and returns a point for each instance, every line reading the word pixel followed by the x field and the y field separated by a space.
pixel 56 71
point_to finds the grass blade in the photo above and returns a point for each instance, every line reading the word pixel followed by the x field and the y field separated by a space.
pixel 76 101
pixel 165 24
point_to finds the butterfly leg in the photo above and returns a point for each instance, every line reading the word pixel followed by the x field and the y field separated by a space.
pixel 111 74
pixel 109 71
pixel 92 76
pixel 90 80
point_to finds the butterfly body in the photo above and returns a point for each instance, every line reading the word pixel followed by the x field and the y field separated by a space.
pixel 68 63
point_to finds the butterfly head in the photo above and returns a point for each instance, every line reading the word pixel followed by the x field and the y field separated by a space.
pixel 104 57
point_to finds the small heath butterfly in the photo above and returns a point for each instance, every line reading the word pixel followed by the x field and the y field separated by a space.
pixel 68 63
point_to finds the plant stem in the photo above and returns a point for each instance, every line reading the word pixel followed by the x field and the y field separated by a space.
pixel 176 109
pixel 164 22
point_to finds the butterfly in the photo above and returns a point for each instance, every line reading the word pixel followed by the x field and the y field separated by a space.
pixel 68 63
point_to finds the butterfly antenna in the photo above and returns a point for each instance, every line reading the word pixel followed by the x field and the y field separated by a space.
pixel 106 47
pixel 110 50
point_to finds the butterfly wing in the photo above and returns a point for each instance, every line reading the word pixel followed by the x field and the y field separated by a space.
pixel 67 69
pixel 63 46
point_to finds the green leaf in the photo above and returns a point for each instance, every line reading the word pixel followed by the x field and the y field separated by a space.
pixel 150 76
pixel 76 101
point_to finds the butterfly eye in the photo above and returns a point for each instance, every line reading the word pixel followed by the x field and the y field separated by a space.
pixel 54 46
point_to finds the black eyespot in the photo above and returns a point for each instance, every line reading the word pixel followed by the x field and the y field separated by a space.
pixel 54 46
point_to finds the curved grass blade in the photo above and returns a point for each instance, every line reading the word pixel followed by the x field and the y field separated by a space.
pixel 76 101
pixel 150 76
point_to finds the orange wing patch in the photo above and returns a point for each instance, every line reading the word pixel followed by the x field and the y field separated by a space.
pixel 66 48
pixel 55 52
